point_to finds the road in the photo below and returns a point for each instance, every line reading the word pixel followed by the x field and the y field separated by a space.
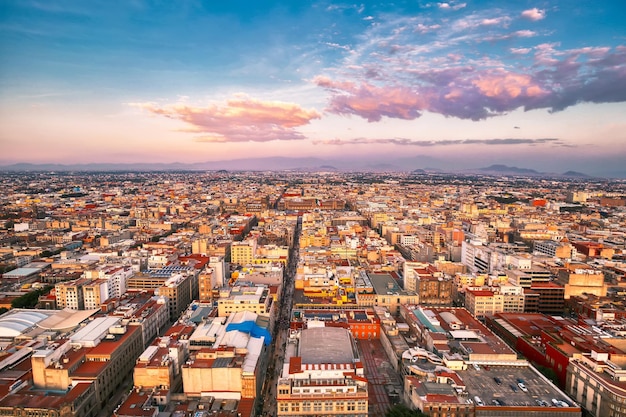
pixel 281 329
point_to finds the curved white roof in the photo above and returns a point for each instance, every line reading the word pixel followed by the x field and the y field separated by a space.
pixel 15 322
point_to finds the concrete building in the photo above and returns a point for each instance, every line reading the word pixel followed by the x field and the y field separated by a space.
pixel 387 293
pixel 556 249
pixel 70 294
pixel 430 284
pixel 255 299
pixel 579 279
pixel 597 382
pixel 160 364
pixel 79 400
pixel 228 358
pixel 243 253
pixel 102 353
pixel 322 375
pixel 486 302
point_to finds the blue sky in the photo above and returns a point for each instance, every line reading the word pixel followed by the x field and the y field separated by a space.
pixel 538 84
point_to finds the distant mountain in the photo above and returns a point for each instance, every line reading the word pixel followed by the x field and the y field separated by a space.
pixel 504 169
pixel 379 163
pixel 575 174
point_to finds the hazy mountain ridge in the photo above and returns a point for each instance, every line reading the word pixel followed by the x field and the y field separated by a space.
pixel 415 164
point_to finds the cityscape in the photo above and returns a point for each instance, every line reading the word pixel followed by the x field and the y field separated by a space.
pixel 311 294
pixel 312 208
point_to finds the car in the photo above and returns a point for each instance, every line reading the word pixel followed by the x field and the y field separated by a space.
pixel 497 401
pixel 476 366
pixel 522 386
pixel 478 401
pixel 514 388
pixel 497 380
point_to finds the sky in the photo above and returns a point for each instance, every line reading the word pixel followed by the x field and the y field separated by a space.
pixel 534 84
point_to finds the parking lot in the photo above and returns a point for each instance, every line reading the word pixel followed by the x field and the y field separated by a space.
pixel 481 383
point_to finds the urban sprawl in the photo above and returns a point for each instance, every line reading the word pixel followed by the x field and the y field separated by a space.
pixel 171 294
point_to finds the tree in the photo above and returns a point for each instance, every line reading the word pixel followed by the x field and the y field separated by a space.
pixel 30 299
pixel 401 410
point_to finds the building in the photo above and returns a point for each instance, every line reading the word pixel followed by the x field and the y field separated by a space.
pixel 486 302
pixel 103 353
pixel 255 299
pixel 556 249
pixel 227 358
pixel 322 375
pixel 526 278
pixel 430 284
pixel 160 364
pixel 387 293
pixel 363 324
pixel 579 279
pixel 79 400
pixel 70 294
pixel 178 283
pixel 243 253
pixel 551 298
pixel 598 383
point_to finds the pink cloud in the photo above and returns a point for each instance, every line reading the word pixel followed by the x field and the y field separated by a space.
pixel 239 120
pixel 507 85
pixel 534 14
pixel 556 80
pixel 372 102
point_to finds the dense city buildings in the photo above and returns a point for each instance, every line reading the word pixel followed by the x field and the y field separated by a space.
pixel 287 293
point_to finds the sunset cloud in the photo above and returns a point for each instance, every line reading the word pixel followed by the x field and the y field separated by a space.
pixel 409 66
pixel 434 143
pixel 241 119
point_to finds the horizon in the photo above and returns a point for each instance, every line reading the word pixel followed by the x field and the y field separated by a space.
pixel 458 84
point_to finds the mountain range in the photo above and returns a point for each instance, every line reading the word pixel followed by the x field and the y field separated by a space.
pixel 417 164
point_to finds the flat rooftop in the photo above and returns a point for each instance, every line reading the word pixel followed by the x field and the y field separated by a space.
pixel 326 345
pixel 482 383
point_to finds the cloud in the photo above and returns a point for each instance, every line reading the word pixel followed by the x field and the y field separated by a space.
pixel 460 92
pixel 433 143
pixel 241 119
pixel 451 6
pixel 406 66
pixel 534 14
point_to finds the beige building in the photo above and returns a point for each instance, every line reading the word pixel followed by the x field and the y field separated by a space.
pixel 102 353
pixel 255 299
pixel 70 294
pixel 322 375
pixel 581 278
pixel 486 302
pixel 387 293
pixel 159 365
pixel 95 293
pixel 243 253
pixel 597 383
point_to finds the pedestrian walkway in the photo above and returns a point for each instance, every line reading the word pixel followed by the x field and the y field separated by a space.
pixel 379 373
